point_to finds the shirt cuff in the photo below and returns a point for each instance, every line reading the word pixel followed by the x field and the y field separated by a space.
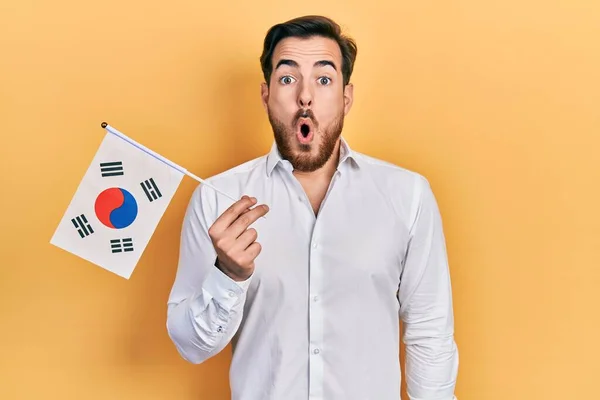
pixel 223 289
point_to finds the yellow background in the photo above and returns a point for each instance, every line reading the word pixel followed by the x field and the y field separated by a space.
pixel 496 102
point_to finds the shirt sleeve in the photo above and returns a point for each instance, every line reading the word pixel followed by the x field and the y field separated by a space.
pixel 425 297
pixel 205 306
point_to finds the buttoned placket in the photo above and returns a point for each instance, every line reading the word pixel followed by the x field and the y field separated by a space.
pixel 315 287
pixel 316 316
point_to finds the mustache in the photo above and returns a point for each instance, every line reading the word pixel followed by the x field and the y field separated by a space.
pixel 304 113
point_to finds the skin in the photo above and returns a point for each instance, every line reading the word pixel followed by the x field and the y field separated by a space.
pixel 306 86
pixel 234 242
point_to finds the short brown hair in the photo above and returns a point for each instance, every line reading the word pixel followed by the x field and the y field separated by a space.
pixel 305 27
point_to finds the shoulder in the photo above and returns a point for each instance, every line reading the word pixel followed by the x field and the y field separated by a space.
pixel 404 189
pixel 240 172
pixel 234 181
pixel 400 178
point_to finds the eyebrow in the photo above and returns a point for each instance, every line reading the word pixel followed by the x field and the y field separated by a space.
pixel 294 64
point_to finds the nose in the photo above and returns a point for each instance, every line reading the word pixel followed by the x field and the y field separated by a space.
pixel 305 97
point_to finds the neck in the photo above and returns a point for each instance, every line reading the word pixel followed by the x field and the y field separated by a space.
pixel 326 171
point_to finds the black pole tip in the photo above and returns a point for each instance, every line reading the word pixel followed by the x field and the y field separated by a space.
pixel 104 124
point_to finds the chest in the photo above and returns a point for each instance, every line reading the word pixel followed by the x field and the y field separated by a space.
pixel 355 240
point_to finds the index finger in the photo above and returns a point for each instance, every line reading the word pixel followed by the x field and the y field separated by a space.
pixel 233 212
pixel 246 219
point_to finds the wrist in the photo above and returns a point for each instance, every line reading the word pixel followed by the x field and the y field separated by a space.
pixel 227 271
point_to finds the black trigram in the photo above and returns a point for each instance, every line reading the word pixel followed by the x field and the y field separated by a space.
pixel 82 225
pixel 111 168
pixel 151 189
pixel 120 245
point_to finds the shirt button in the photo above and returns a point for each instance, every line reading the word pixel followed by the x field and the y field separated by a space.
pixel 315 298
pixel 316 351
pixel 231 294
pixel 314 245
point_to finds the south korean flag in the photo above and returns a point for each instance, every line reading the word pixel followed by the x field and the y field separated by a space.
pixel 118 204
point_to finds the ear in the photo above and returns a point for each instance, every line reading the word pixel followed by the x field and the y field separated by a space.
pixel 264 95
pixel 348 97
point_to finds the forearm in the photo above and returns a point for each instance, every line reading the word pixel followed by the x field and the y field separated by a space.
pixel 202 324
pixel 431 368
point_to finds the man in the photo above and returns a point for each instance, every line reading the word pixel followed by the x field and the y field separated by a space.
pixel 310 295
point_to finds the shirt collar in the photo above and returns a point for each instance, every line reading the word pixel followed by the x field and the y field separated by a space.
pixel 346 156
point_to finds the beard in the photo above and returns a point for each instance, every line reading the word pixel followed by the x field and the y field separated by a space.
pixel 303 160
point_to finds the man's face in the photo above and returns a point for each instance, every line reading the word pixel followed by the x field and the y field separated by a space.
pixel 306 100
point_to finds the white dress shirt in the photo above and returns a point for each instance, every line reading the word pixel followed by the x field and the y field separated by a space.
pixel 318 319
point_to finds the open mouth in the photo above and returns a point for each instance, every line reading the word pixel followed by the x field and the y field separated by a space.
pixel 304 130
pixel 305 133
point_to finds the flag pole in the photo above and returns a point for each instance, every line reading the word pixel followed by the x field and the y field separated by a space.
pixel 188 173
pixel 172 164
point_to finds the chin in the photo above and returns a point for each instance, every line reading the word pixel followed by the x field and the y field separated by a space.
pixel 308 157
pixel 306 149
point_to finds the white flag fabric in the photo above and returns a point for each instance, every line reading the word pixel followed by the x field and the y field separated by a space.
pixel 118 204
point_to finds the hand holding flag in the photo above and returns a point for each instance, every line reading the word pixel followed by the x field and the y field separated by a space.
pixel 119 203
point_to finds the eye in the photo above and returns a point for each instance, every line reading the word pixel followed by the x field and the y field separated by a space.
pixel 324 80
pixel 286 80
